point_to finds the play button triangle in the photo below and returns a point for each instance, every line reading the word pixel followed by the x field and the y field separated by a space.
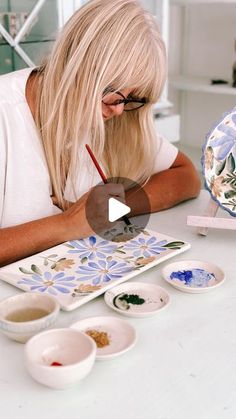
pixel 116 209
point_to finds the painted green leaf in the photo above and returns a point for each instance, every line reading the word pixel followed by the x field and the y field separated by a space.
pixel 36 270
pixel 53 265
pixel 220 167
pixel 25 271
pixel 51 256
pixel 231 163
pixel 84 260
pixel 61 259
pixel 120 251
pixel 174 244
pixel 109 258
pixel 230 194
pixel 45 262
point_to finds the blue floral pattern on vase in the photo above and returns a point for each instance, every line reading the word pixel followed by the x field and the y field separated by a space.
pixel 146 247
pixel 47 282
pixel 103 271
pixel 92 247
pixel 219 162
pixel 193 278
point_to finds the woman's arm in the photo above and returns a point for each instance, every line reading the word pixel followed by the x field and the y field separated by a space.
pixel 167 188
pixel 26 239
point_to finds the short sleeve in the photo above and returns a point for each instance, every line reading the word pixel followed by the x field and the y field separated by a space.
pixel 165 155
pixel 2 162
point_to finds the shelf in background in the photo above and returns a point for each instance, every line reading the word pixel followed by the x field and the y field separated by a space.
pixel 200 84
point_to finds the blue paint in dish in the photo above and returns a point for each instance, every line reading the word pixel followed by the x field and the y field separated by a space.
pixel 194 277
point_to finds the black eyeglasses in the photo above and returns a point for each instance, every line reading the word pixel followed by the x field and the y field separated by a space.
pixel 130 103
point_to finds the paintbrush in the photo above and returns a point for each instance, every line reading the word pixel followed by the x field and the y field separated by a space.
pixel 103 176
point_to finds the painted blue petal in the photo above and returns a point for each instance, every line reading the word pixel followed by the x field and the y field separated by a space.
pixel 92 256
pixel 100 255
pixel 113 276
pixel 93 265
pixel 151 240
pixel 220 141
pixel 111 263
pixel 27 282
pixel 88 269
pixel 47 275
pixel 141 240
pixel 66 284
pixel 162 242
pixel 146 254
pixel 96 281
pixel 224 151
pixel 137 253
pixel 229 131
pixel 158 250
pixel 74 243
pixel 61 289
pixel 37 277
pixel 92 240
pixel 67 278
pixel 59 275
pixel 104 243
pixel 106 278
pixel 119 265
pixel 234 118
pixel 102 264
pixel 38 288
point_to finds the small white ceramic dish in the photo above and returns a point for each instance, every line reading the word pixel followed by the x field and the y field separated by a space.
pixel 120 334
pixel 74 350
pixel 193 276
pixel 14 308
pixel 137 299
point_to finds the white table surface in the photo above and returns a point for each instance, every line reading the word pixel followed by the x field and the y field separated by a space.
pixel 183 365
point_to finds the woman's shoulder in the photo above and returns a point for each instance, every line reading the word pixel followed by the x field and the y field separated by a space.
pixel 12 86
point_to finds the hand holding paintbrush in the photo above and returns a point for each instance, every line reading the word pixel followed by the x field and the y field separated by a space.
pixel 103 177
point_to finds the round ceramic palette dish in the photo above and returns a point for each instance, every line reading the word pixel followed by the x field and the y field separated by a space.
pixel 137 299
pixel 112 335
pixel 193 276
pixel 219 162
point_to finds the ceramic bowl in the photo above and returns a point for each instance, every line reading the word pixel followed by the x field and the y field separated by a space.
pixel 193 276
pixel 73 350
pixel 14 312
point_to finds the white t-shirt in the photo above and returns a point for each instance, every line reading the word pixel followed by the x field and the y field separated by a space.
pixel 25 186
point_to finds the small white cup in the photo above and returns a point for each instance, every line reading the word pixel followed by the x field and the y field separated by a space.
pixel 21 331
pixel 74 350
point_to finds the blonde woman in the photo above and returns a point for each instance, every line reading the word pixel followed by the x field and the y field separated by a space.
pixel 98 86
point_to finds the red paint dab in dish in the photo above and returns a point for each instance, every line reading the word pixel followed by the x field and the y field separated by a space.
pixel 56 364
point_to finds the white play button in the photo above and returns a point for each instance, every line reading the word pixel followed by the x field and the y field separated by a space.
pixel 116 209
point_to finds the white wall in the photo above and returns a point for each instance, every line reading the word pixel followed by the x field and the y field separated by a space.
pixel 209 51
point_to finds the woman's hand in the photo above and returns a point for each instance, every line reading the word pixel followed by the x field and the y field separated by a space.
pixel 90 213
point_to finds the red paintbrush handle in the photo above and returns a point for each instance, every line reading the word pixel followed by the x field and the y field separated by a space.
pixel 101 173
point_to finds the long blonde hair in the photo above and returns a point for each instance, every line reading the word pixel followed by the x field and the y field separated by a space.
pixel 106 43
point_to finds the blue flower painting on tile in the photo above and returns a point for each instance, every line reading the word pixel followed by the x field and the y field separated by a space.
pixel 103 271
pixel 92 247
pixel 47 282
pixel 193 278
pixel 146 247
